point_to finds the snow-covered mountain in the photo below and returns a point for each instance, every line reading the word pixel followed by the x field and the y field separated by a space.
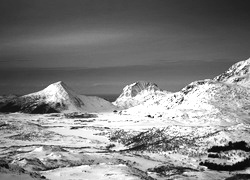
pixel 237 74
pixel 57 97
pixel 138 93
pixel 223 99
pixel 226 98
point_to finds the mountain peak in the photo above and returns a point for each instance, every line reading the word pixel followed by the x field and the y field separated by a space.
pixel 58 88
pixel 137 87
pixel 57 94
pixel 137 93
pixel 59 84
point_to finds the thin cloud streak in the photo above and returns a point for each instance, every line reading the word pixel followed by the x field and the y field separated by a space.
pixel 68 39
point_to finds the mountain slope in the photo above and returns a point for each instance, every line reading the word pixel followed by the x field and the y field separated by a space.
pixel 237 74
pixel 206 101
pixel 96 104
pixel 57 97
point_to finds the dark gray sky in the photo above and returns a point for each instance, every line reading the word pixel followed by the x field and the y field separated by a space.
pixel 99 46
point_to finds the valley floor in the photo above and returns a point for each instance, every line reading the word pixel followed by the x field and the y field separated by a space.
pixel 113 146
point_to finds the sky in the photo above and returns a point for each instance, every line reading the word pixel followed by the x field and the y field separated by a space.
pixel 99 46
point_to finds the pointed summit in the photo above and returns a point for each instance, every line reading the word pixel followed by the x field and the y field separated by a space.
pixel 59 95
pixel 57 86
pixel 57 89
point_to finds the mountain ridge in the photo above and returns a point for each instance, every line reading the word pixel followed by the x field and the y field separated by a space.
pixel 209 101
pixel 210 97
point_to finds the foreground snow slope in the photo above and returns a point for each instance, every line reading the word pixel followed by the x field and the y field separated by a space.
pixel 57 97
pixel 113 146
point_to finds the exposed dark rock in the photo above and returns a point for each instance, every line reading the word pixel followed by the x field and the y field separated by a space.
pixel 10 106
pixel 43 109
pixel 239 177
pixel 18 105
pixel 4 164
pixel 79 115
